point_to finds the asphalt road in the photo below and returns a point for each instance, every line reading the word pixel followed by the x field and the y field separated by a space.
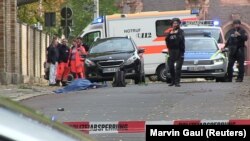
pixel 152 102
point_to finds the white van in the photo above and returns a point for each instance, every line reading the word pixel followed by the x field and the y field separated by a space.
pixel 146 29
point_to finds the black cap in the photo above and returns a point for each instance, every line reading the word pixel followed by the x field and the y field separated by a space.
pixel 236 22
pixel 177 20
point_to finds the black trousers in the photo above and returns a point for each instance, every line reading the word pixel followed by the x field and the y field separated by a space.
pixel 239 56
pixel 175 56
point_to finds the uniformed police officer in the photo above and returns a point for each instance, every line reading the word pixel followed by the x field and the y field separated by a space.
pixel 175 42
pixel 236 45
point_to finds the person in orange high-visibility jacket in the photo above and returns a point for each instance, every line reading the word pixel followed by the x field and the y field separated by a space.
pixel 63 68
pixel 76 61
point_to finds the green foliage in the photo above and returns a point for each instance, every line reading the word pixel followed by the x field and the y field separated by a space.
pixel 83 11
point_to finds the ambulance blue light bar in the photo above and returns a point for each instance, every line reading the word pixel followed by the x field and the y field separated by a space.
pixel 201 23
pixel 97 20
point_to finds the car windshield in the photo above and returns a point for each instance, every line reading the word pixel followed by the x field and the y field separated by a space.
pixel 112 45
pixel 200 45
pixel 196 32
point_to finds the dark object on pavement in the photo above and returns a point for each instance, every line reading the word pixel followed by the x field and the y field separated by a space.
pixel 60 109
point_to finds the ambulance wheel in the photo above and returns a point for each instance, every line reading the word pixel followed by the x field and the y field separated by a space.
pixel 161 73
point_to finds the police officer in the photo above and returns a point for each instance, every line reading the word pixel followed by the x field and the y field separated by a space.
pixel 236 45
pixel 175 42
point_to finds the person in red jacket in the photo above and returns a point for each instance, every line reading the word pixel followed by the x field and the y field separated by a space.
pixel 62 68
pixel 76 61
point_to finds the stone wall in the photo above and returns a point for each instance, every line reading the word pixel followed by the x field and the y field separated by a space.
pixel 22 48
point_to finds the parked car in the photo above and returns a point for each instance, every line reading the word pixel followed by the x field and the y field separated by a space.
pixel 19 123
pixel 108 56
pixel 202 59
pixel 198 28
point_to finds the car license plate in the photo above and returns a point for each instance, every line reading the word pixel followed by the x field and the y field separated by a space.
pixel 109 70
pixel 197 68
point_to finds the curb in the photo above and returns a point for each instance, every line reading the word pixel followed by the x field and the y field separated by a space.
pixel 28 96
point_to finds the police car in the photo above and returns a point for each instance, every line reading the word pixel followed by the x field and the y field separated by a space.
pixel 199 28
pixel 203 59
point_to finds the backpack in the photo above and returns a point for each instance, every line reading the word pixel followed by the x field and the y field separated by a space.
pixel 119 79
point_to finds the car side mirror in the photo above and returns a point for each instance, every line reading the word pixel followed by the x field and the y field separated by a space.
pixel 164 51
pixel 141 50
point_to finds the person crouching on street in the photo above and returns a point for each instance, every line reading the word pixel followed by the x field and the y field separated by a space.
pixel 63 69
pixel 175 42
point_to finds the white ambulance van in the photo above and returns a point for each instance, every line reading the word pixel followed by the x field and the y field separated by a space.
pixel 145 28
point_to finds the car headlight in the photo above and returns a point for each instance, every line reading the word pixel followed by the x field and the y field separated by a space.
pixel 131 60
pixel 89 62
pixel 218 61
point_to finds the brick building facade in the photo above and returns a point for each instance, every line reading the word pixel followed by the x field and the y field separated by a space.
pixel 8 54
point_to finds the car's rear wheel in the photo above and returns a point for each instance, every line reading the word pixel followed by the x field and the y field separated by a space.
pixel 70 78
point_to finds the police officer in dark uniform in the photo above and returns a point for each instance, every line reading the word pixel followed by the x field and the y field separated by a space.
pixel 175 42
pixel 236 46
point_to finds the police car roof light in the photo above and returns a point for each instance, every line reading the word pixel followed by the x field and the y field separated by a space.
pixel 97 20
pixel 216 23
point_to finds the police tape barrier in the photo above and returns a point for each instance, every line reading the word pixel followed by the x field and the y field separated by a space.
pixel 109 127
pixel 140 126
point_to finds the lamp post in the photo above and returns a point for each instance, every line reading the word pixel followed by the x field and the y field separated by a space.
pixel 96 9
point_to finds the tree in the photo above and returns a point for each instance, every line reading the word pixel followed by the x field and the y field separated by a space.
pixel 83 12
pixel 34 13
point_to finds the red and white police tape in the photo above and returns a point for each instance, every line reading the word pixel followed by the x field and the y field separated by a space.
pixel 140 126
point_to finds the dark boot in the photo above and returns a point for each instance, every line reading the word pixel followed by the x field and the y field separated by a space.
pixel 239 80
pixel 57 82
pixel 177 85
pixel 172 83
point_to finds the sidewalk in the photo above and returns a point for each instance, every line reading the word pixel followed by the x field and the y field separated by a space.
pixel 25 91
